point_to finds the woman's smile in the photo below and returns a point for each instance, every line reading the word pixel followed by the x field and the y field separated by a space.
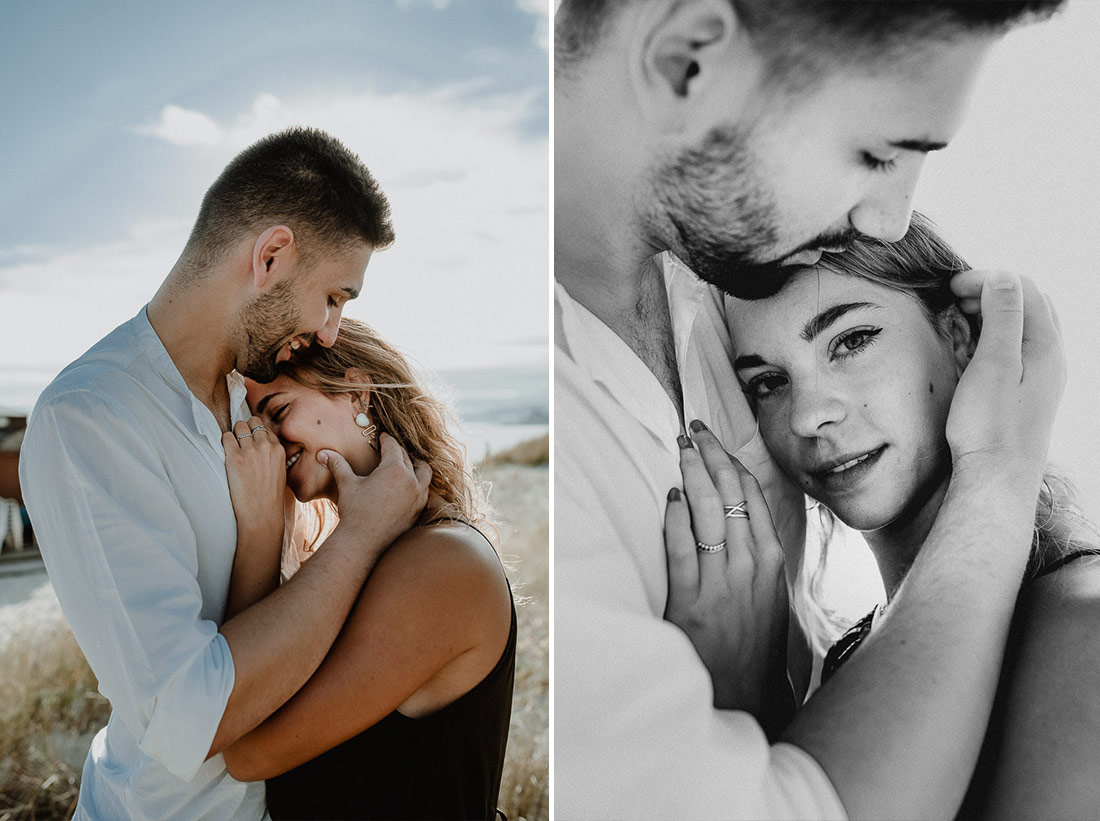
pixel 846 474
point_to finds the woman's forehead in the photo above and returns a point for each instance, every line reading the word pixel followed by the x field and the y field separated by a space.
pixel 806 295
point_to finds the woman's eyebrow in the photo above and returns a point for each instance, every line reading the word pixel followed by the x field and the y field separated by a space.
pixel 262 404
pixel 830 315
pixel 812 328
pixel 748 361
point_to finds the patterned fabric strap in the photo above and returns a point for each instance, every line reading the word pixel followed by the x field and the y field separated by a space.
pixel 846 645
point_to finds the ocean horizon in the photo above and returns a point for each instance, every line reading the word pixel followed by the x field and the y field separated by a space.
pixel 495 407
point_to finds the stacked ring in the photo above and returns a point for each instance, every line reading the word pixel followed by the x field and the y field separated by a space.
pixel 703 547
pixel 241 436
pixel 736 511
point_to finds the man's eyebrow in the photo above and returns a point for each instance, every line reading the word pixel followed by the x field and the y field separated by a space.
pixel 923 146
pixel 830 315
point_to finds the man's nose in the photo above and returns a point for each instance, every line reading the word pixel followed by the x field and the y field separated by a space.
pixel 327 334
pixel 884 211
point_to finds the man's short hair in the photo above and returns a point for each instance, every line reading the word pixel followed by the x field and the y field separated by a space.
pixel 302 178
pixel 801 37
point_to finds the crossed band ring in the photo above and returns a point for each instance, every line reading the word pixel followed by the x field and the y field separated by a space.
pixel 258 427
pixel 703 547
pixel 736 511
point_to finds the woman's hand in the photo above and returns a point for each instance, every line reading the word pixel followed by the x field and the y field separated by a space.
pixel 726 580
pixel 255 464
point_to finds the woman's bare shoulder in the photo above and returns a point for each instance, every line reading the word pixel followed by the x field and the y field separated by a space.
pixel 450 564
pixel 1077 580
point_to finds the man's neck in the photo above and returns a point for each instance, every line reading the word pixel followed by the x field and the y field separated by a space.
pixel 600 258
pixel 635 306
pixel 187 320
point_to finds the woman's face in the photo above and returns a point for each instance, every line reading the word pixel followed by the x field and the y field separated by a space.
pixel 307 422
pixel 851 385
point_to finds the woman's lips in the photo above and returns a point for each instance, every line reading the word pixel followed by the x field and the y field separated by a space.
pixel 845 475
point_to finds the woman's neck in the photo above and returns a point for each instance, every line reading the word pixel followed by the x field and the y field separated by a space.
pixel 896 545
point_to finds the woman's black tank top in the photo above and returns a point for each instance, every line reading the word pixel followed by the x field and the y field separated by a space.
pixel 444 766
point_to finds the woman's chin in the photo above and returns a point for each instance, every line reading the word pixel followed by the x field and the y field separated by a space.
pixel 862 519
pixel 302 494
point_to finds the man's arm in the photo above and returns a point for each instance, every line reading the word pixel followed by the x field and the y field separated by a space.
pixel 280 641
pixel 124 559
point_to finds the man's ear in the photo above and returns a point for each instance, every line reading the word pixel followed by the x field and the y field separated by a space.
pixel 687 45
pixel 271 254
pixel 963 341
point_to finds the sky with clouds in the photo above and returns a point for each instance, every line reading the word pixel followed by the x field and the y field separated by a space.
pixel 116 116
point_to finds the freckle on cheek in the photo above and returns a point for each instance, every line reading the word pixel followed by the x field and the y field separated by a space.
pixel 931 389
pixel 318 421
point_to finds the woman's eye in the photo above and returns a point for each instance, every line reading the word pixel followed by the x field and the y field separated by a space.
pixel 279 413
pixel 854 341
pixel 764 385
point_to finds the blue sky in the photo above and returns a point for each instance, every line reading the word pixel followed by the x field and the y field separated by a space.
pixel 118 115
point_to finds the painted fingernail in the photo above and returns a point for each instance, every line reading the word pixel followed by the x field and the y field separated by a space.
pixel 697 426
pixel 674 495
pixel 683 442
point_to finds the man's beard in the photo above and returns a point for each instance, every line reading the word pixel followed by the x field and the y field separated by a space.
pixel 723 217
pixel 265 324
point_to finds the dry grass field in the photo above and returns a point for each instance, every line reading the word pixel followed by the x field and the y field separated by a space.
pixel 49 706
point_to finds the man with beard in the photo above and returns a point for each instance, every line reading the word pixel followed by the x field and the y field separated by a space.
pixel 123 470
pixel 710 141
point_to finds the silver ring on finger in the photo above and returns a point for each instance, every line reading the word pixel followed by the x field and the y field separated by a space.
pixel 736 511
pixel 259 427
pixel 703 547
pixel 241 436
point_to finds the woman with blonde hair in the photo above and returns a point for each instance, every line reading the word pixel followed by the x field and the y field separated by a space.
pixel 408 715
pixel 850 370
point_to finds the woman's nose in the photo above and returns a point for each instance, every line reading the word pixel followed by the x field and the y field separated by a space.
pixel 813 408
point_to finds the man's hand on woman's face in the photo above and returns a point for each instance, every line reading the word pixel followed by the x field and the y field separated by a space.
pixel 387 501
pixel 1003 411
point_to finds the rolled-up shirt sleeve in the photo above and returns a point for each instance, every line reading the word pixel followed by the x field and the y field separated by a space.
pixel 123 558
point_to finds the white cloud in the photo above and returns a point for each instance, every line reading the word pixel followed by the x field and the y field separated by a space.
pixel 466 284
pixel 183 127
pixel 540 8
pixel 438 5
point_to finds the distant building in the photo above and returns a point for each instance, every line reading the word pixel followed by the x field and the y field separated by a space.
pixel 16 535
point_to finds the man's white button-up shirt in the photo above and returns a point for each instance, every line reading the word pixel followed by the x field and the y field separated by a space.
pixel 123 473
pixel 635 731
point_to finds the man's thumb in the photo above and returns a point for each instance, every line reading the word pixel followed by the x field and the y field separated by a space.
pixel 336 463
